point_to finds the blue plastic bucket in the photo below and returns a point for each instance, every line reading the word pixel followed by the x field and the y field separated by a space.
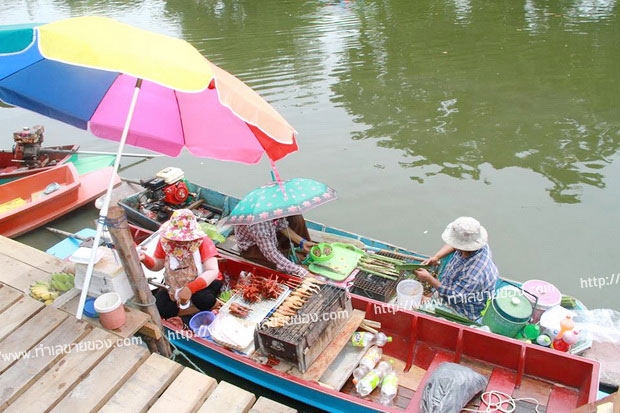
pixel 200 322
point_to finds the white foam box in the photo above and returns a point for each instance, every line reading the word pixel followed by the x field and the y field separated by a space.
pixel 108 276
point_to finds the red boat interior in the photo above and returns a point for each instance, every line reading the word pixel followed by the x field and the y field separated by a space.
pixel 30 188
pixel 558 381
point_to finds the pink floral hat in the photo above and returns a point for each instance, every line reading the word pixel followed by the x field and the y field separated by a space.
pixel 182 226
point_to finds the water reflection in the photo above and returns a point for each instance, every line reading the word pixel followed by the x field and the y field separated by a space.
pixel 452 84
pixel 453 98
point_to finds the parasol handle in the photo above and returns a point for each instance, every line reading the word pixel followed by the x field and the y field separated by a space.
pixel 274 171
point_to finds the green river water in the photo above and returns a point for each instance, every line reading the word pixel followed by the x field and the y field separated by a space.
pixel 416 112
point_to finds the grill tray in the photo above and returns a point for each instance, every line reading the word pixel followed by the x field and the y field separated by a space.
pixel 302 342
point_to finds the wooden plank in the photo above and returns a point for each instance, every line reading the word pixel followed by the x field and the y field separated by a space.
pixel 31 256
pixel 18 378
pixel 20 275
pixel 186 393
pixel 228 398
pixel 530 387
pixel 22 310
pixel 501 380
pixel 409 379
pixel 265 405
pixel 149 329
pixel 135 318
pixel 8 295
pixel 609 404
pixel 562 399
pixel 103 381
pixel 342 367
pixel 45 393
pixel 341 339
pixel 145 386
pixel 440 357
pixel 29 334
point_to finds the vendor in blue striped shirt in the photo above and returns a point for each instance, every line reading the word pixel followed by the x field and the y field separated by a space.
pixel 469 278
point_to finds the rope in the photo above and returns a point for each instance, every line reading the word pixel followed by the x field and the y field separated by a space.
pixel 144 305
pixel 502 399
pixel 120 223
pixel 176 352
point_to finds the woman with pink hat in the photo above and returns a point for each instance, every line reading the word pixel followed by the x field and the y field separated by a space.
pixel 189 258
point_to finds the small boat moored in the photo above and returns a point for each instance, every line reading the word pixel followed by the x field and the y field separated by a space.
pixel 37 199
pixel 28 157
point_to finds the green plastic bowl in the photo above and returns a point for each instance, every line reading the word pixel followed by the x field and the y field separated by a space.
pixel 320 247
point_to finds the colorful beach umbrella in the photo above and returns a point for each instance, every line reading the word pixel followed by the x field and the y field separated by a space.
pixel 273 201
pixel 140 88
pixel 83 71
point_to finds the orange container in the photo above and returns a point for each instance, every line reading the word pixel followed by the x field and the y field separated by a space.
pixel 111 310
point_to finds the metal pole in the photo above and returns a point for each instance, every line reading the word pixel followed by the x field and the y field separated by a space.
pixel 131 155
pixel 106 202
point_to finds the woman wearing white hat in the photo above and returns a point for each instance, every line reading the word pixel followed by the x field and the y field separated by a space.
pixel 470 276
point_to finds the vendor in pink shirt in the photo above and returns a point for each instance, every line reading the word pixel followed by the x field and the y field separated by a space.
pixel 189 258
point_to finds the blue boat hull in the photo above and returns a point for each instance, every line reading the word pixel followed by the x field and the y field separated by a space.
pixel 273 382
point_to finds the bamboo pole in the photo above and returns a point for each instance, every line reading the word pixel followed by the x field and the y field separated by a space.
pixel 129 257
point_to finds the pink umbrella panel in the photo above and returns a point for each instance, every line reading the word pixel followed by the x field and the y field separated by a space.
pixel 198 121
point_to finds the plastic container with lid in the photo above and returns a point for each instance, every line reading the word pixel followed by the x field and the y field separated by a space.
pixel 548 296
pixel 409 293
pixel 508 312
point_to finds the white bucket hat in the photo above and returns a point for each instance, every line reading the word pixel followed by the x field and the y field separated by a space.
pixel 466 234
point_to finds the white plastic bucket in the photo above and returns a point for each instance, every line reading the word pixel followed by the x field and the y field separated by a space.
pixel 111 310
pixel 409 293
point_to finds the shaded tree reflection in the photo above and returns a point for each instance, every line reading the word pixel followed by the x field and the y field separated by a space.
pixel 453 91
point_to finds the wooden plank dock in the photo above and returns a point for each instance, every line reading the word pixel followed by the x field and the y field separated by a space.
pixel 52 362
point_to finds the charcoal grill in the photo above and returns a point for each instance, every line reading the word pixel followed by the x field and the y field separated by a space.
pixel 374 286
pixel 302 342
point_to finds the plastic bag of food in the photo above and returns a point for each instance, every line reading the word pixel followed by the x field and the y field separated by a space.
pixel 602 325
pixel 450 387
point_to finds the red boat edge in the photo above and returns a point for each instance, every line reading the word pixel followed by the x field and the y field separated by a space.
pixel 424 341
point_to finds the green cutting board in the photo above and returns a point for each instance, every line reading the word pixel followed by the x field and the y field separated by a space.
pixel 340 266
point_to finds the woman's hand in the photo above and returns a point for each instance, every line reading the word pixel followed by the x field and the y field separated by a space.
pixel 308 245
pixel 434 260
pixel 426 276
pixel 423 275
pixel 184 295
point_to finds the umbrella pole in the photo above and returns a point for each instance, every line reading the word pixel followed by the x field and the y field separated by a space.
pixel 106 202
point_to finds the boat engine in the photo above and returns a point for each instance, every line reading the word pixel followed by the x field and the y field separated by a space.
pixel 164 193
pixel 27 148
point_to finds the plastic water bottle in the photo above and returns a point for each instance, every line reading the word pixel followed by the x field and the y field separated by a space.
pixel 389 388
pixel 363 339
pixel 371 380
pixel 565 325
pixel 367 363
pixel 543 340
